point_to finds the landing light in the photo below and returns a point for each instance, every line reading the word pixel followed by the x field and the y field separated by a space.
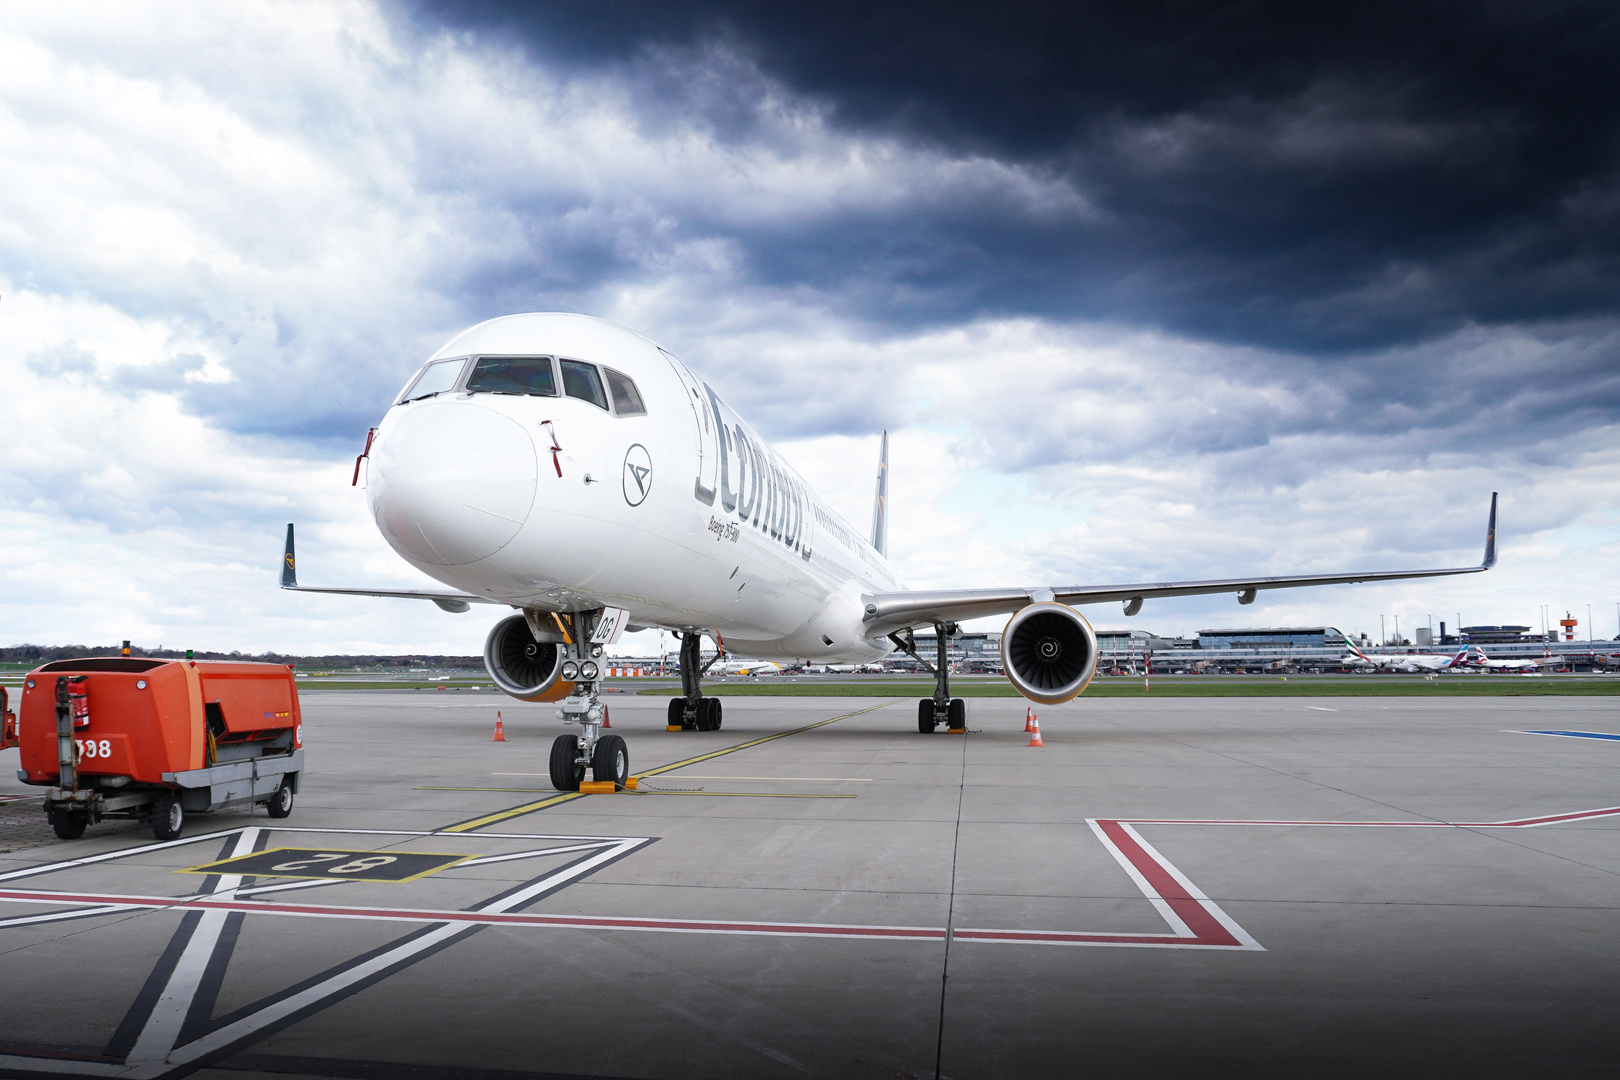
pixel 588 670
pixel 570 670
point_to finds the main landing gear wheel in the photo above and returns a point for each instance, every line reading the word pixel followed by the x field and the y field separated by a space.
pixel 957 713
pixel 611 762
pixel 280 804
pixel 168 817
pixel 677 710
pixel 925 716
pixel 566 771
pixel 709 714
pixel 67 823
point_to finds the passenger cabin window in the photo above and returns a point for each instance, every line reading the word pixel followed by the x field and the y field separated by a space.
pixel 436 378
pixel 527 375
pixel 626 398
pixel 580 380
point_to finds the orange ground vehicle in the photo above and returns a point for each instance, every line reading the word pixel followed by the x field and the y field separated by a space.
pixel 158 739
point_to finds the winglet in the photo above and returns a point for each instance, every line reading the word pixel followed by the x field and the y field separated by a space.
pixel 880 502
pixel 1490 537
pixel 289 568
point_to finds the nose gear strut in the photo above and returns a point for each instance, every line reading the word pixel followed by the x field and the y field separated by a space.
pixel 605 755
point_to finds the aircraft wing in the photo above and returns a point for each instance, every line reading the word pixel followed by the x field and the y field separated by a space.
pixel 449 601
pixel 888 612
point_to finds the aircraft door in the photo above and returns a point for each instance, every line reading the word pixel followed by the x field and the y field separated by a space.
pixel 708 453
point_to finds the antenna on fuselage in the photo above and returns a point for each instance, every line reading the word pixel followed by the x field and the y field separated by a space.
pixel 880 502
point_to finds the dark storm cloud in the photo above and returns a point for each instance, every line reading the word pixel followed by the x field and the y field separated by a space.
pixel 1313 178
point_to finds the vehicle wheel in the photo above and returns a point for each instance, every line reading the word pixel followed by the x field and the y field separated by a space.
pixel 168 817
pixel 67 824
pixel 705 716
pixel 280 804
pixel 610 763
pixel 715 714
pixel 957 713
pixel 676 706
pixel 566 773
pixel 925 716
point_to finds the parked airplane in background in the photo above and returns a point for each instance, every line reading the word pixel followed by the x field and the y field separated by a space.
pixel 1408 662
pixel 1477 659
pixel 578 473
pixel 745 667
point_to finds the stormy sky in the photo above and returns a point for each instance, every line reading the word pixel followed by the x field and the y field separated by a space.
pixel 1140 291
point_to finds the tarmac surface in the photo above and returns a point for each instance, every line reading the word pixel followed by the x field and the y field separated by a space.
pixel 1216 887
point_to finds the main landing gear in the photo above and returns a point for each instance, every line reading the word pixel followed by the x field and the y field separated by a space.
pixel 692 711
pixel 605 755
pixel 941 708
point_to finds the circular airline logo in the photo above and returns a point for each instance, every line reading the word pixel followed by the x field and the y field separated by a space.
pixel 637 474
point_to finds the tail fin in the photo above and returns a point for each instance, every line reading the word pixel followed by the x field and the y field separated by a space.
pixel 1352 645
pixel 289 568
pixel 880 503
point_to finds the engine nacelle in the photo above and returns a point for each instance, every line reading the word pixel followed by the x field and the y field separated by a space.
pixel 1049 652
pixel 520 665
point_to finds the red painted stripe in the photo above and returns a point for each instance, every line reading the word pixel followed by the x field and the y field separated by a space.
pixel 1059 937
pixel 1521 823
pixel 1206 930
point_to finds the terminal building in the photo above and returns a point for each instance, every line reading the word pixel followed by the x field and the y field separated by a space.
pixel 1281 637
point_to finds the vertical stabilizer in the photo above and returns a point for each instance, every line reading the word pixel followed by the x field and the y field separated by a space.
pixel 880 503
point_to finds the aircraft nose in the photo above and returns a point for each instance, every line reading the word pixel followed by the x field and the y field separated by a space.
pixel 451 483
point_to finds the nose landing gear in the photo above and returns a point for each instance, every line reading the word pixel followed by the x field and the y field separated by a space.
pixel 606 756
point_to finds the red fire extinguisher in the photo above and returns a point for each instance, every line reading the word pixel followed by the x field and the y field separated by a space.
pixel 79 702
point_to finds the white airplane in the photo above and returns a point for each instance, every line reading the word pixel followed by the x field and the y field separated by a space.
pixel 572 470
pixel 1408 662
pixel 745 667
pixel 1477 659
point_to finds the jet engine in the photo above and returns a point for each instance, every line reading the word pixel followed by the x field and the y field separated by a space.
pixel 1049 652
pixel 520 665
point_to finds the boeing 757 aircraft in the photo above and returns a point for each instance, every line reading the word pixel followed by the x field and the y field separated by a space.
pixel 572 470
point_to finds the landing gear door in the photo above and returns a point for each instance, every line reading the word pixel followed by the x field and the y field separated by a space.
pixel 708 457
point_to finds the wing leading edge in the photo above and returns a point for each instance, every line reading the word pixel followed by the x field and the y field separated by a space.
pixel 449 601
pixel 888 612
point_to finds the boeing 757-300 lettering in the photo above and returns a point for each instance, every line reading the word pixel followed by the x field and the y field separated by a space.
pixel 575 472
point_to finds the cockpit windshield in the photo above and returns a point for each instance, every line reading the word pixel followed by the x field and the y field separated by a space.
pixel 436 378
pixel 530 375
pixel 581 380
pixel 626 398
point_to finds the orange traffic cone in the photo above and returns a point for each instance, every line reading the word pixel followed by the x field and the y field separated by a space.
pixel 1035 734
pixel 1029 720
pixel 605 722
pixel 500 732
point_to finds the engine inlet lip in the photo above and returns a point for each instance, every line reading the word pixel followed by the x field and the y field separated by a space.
pixel 1049 652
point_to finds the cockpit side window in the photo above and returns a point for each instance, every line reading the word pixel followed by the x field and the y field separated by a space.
pixel 626 398
pixel 528 375
pixel 581 380
pixel 436 378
